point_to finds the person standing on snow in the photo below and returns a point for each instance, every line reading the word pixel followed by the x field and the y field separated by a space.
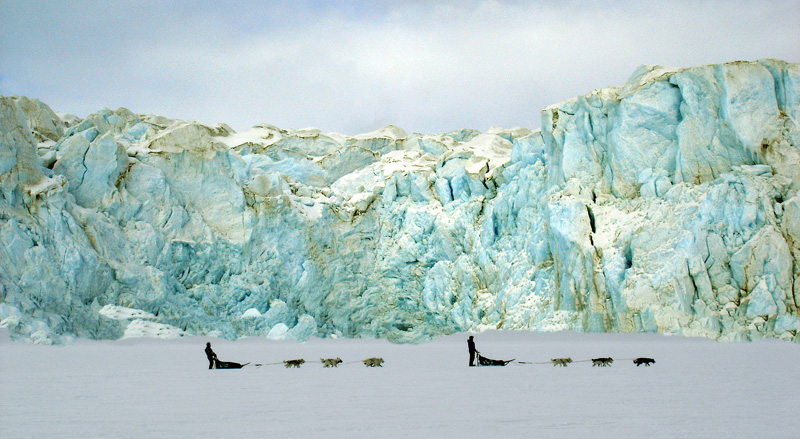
pixel 472 350
pixel 212 357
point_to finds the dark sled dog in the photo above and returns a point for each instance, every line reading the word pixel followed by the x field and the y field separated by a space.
pixel 643 360
pixel 293 363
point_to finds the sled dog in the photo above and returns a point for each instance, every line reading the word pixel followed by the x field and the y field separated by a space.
pixel 373 362
pixel 330 362
pixel 293 363
pixel 561 361
pixel 602 361
pixel 643 360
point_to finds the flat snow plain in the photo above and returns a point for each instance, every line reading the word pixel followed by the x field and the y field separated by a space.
pixel 147 388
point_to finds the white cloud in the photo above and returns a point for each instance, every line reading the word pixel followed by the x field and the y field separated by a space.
pixel 350 66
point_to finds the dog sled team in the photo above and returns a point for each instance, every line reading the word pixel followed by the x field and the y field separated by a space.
pixel 215 363
pixel 563 362
pixel 334 362
pixel 475 359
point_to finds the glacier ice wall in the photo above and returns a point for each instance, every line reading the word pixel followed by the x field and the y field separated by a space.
pixel 670 204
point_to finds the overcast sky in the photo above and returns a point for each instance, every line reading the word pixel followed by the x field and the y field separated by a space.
pixel 352 67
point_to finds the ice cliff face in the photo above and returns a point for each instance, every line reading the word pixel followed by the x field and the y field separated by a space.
pixel 668 205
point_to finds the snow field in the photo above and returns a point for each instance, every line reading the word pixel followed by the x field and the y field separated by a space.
pixel 140 388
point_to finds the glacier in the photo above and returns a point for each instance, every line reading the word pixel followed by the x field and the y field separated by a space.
pixel 670 205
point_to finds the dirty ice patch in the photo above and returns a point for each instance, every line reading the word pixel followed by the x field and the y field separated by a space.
pixel 142 328
pixel 123 313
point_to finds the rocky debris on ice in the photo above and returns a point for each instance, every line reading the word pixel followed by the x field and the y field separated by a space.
pixel 669 204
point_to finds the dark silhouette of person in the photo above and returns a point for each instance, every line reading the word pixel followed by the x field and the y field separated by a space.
pixel 472 350
pixel 212 357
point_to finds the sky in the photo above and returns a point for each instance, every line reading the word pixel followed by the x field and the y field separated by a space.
pixel 353 67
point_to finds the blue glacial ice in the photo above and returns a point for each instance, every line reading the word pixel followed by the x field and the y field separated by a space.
pixel 670 204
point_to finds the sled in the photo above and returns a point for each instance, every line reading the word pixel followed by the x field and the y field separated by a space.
pixel 229 365
pixel 483 361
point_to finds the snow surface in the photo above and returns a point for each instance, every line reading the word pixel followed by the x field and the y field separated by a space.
pixel 139 388
pixel 669 204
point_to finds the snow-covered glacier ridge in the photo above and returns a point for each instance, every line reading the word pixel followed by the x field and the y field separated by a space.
pixel 671 204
